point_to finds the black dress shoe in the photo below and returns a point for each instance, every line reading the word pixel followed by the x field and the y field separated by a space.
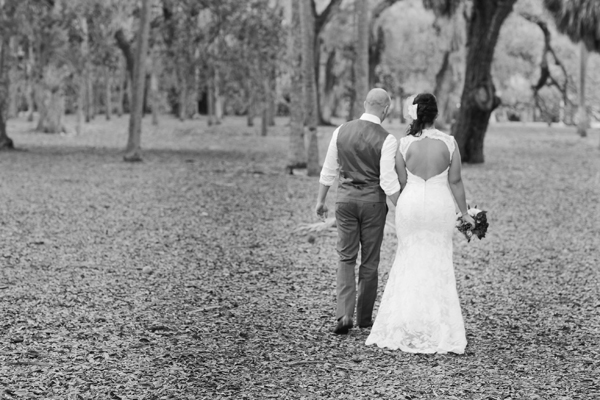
pixel 367 325
pixel 343 326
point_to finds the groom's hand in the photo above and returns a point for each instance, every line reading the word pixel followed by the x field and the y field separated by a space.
pixel 394 198
pixel 321 210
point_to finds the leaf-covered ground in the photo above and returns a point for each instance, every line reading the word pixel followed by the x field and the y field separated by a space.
pixel 178 277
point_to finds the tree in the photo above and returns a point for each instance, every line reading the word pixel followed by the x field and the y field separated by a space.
pixel 184 50
pixel 361 56
pixel 579 20
pixel 103 57
pixel 479 97
pixel 48 34
pixel 413 52
pixel 82 69
pixel 366 20
pixel 547 78
pixel 154 94
pixel 582 117
pixel 448 79
pixel 250 52
pixel 132 151
pixel 318 22
pixel 310 89
pixel 8 9
pixel 377 39
pixel 297 149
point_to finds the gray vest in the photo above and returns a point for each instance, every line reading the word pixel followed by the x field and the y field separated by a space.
pixel 359 144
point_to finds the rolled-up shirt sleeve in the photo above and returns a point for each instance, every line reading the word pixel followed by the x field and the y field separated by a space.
pixel 330 166
pixel 388 178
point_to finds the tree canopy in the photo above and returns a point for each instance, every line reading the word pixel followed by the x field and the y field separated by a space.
pixel 229 57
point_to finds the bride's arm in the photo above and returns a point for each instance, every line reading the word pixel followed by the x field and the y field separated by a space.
pixel 401 170
pixel 456 185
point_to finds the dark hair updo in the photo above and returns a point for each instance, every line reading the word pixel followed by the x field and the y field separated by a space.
pixel 427 112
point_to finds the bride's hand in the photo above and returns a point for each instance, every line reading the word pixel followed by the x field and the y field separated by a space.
pixel 469 220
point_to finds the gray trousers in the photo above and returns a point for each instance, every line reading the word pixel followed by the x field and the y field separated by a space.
pixel 358 223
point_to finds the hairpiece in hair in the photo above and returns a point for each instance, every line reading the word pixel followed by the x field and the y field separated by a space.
pixel 411 108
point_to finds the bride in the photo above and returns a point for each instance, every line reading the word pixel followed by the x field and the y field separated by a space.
pixel 420 311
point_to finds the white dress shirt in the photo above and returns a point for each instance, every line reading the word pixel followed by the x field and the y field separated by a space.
pixel 388 179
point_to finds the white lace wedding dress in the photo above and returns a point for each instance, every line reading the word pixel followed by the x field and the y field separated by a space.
pixel 420 311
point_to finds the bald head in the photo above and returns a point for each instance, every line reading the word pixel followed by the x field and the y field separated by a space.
pixel 377 102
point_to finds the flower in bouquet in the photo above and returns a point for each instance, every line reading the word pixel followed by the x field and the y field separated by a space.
pixel 481 224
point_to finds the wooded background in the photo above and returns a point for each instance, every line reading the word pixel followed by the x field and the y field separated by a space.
pixel 182 278
pixel 314 60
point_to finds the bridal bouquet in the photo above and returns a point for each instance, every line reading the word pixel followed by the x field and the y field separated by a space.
pixel 481 224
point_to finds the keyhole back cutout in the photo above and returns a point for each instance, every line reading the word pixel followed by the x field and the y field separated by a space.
pixel 427 158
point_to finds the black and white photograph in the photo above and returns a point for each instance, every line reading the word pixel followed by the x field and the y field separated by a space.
pixel 300 199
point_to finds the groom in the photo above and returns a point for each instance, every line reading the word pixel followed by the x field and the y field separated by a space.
pixel 364 152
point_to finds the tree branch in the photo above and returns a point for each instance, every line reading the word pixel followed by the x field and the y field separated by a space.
pixel 545 73
pixel 546 78
pixel 381 7
pixel 126 48
pixel 443 8
pixel 322 19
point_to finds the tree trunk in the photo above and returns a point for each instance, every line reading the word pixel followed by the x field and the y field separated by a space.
pixel 127 51
pixel 328 96
pixel 296 149
pixel 317 24
pixel 250 110
pixel 98 94
pixel 264 120
pixel 218 99
pixel 361 60
pixel 154 99
pixel 128 56
pixel 444 86
pixel 89 97
pixel 351 90
pixel 14 93
pixel 266 103
pixel 272 105
pixel 210 97
pixel 5 141
pixel 82 78
pixel 317 74
pixel 50 101
pixel 133 149
pixel 401 100
pixel 249 117
pixel 107 94
pixel 51 105
pixel 310 90
pixel 183 97
pixel 87 73
pixel 448 78
pixel 30 95
pixel 478 99
pixel 122 76
pixel 582 118
pixel 376 47
pixel 80 105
